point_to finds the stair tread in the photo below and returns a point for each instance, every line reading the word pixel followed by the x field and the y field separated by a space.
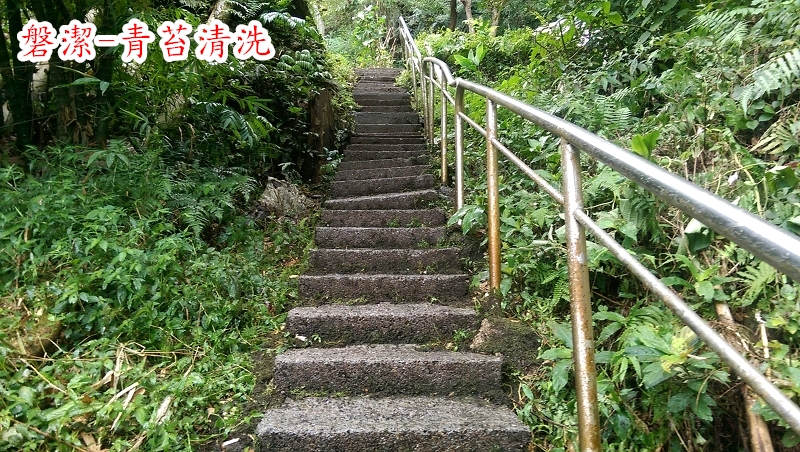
pixel 400 354
pixel 392 423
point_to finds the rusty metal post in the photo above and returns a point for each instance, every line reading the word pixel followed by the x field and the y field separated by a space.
pixel 493 203
pixel 459 132
pixel 424 89
pixel 431 102
pixel 580 303
pixel 443 122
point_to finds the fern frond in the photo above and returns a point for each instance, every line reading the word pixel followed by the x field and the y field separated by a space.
pixel 758 278
pixel 780 137
pixel 778 73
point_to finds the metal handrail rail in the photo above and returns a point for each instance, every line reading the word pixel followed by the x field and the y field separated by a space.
pixel 770 243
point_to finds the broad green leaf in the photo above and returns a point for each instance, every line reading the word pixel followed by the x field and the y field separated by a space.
pixel 654 374
pixel 27 395
pixel 675 281
pixel 609 315
pixel 679 402
pixel 615 18
pixel 556 353
pixel 562 331
pixel 782 177
pixel 561 374
pixel 705 289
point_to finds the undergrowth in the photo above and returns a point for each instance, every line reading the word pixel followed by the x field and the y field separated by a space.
pixel 707 91
pixel 152 326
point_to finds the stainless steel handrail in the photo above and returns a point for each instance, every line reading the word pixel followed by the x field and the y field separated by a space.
pixel 771 244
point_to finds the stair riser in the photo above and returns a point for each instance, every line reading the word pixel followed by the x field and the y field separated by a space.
pixel 384 163
pixel 380 173
pixel 356 156
pixel 387 118
pixel 377 139
pixel 378 238
pixel 398 424
pixel 441 289
pixel 379 89
pixel 387 370
pixel 422 325
pixel 382 99
pixel 344 189
pixel 373 261
pixel 386 147
pixel 405 108
pixel 414 200
pixel 388 128
pixel 383 218
pixel 471 440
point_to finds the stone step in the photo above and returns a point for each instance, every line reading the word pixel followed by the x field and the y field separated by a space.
pixel 386 118
pixel 409 200
pixel 383 138
pixel 355 156
pixel 386 147
pixel 366 80
pixel 378 238
pixel 387 139
pixel 369 72
pixel 380 288
pixel 387 369
pixel 383 163
pixel 405 108
pixel 384 323
pixel 344 189
pixel 380 173
pixel 384 100
pixel 395 261
pixel 383 218
pixel 391 424
pixel 387 128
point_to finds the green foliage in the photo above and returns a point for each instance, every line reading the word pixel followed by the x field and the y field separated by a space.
pixel 706 91
pixel 156 326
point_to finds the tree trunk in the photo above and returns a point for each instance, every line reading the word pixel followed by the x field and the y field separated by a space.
pixel 468 10
pixel 496 7
pixel 760 440
pixel 453 15
pixel 18 78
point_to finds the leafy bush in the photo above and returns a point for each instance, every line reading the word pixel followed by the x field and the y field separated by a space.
pixel 709 92
pixel 154 327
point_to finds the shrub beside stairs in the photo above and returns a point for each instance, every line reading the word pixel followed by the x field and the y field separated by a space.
pixel 382 279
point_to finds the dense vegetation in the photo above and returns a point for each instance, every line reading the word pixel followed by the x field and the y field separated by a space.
pixel 708 91
pixel 135 278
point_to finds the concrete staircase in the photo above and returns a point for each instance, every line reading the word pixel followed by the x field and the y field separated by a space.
pixel 383 278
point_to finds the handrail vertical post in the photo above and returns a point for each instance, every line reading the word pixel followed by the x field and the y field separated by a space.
pixel 443 89
pixel 580 304
pixel 459 136
pixel 493 202
pixel 431 103
pixel 424 89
